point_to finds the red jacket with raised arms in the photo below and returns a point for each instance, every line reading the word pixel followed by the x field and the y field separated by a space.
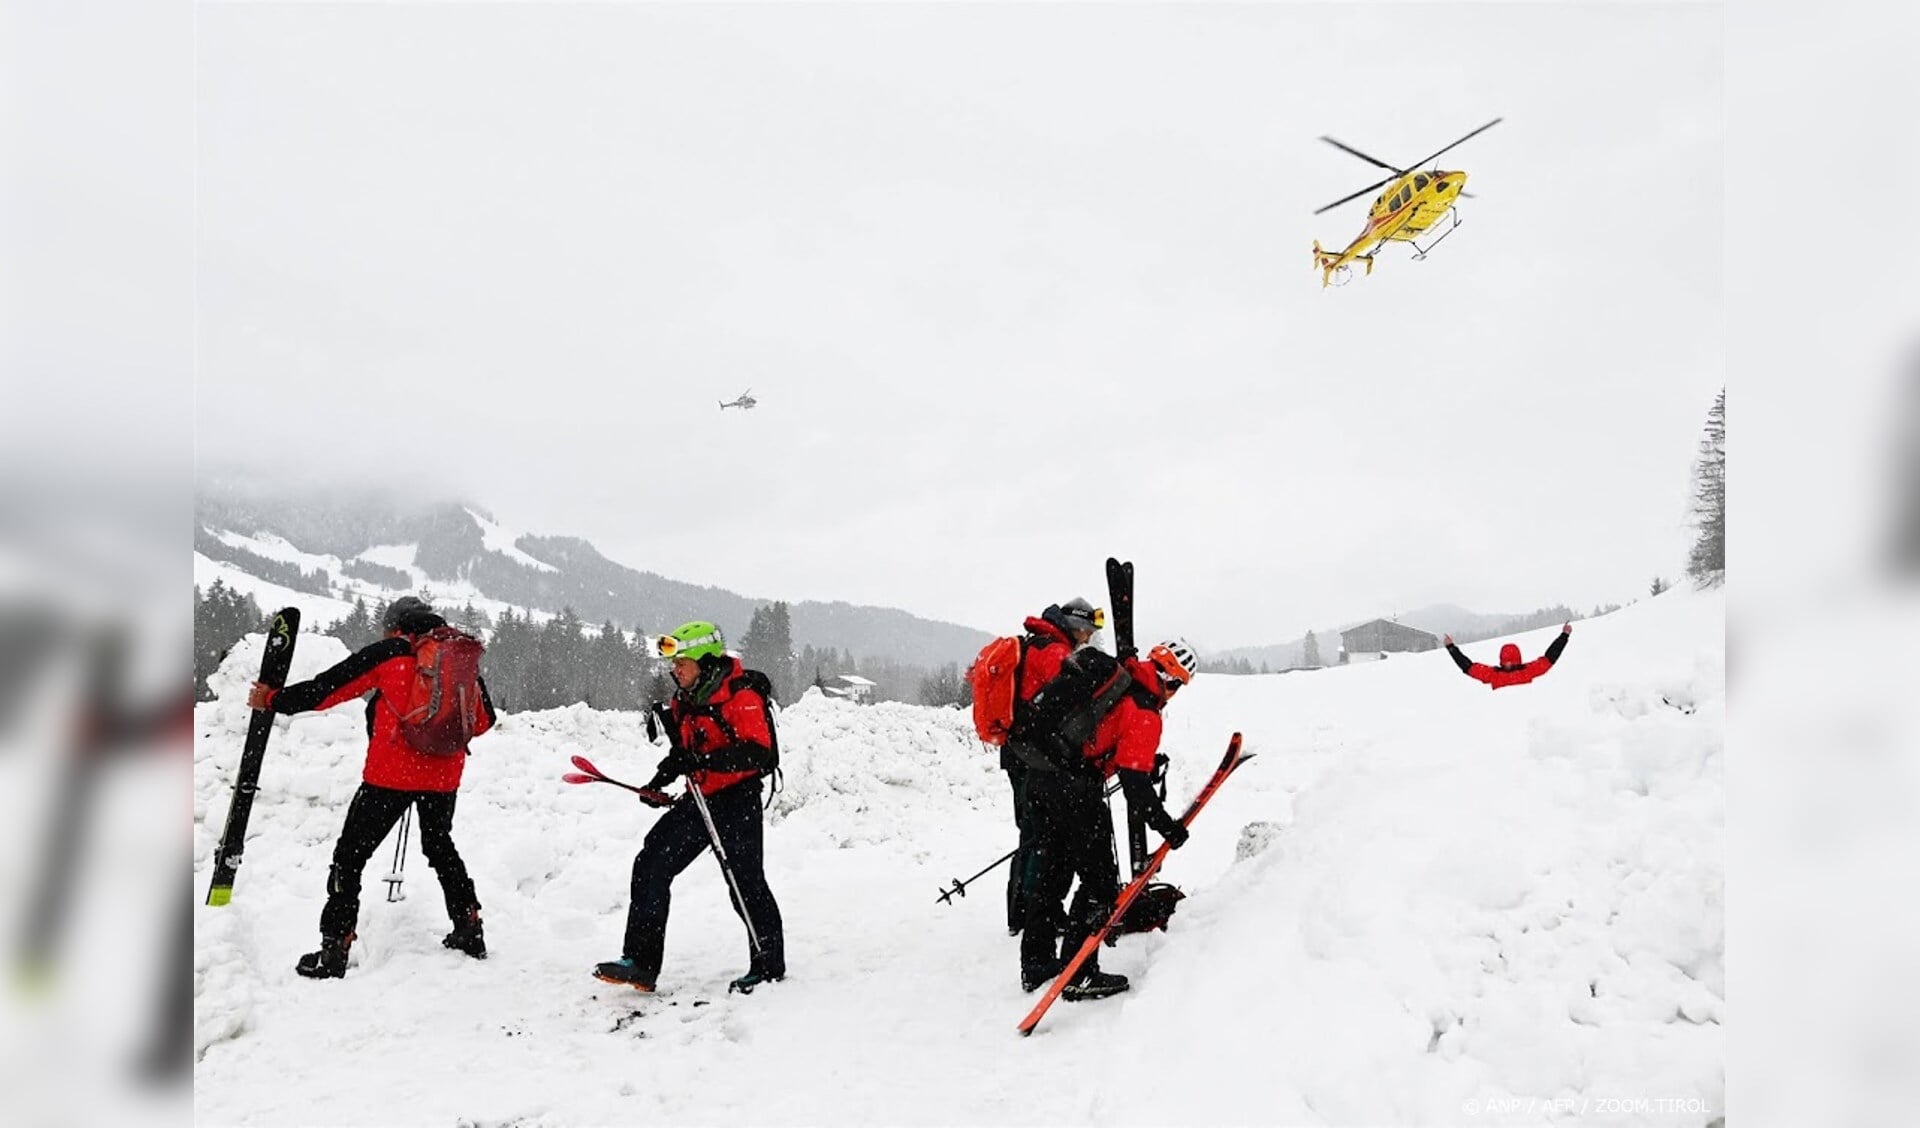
pixel 1510 671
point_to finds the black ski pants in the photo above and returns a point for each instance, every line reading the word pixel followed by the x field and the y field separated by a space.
pixel 1072 838
pixel 370 816
pixel 1017 874
pixel 671 846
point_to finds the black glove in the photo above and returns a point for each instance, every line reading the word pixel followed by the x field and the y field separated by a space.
pixel 654 797
pixel 1175 833
pixel 1126 652
pixel 676 764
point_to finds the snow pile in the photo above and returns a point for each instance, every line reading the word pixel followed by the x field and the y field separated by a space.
pixel 1424 902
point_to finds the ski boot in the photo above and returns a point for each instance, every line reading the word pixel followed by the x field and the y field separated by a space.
pixel 623 973
pixel 467 936
pixel 1094 984
pixel 754 978
pixel 1032 979
pixel 330 962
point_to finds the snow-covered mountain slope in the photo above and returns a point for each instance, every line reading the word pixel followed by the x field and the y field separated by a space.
pixel 1425 902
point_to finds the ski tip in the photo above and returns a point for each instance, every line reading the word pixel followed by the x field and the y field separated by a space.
pixel 219 895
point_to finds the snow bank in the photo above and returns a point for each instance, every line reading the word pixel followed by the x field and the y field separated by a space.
pixel 1424 902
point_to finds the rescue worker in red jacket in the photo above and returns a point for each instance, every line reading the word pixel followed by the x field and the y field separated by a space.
pixel 1074 829
pixel 395 777
pixel 1511 670
pixel 723 744
pixel 1051 637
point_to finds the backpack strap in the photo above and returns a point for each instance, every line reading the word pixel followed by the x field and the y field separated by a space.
pixel 1019 668
pixel 762 685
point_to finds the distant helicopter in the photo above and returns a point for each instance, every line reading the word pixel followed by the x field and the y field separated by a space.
pixel 1414 202
pixel 746 401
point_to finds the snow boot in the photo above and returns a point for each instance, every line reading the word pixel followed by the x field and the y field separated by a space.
pixel 753 978
pixel 622 972
pixel 1095 984
pixel 330 962
pixel 467 936
pixel 1032 979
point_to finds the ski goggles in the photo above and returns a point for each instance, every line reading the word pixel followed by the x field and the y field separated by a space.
pixel 667 646
pixel 1098 617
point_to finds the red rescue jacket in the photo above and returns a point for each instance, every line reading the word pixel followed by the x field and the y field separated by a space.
pixel 1129 735
pixel 1047 651
pixel 1510 671
pixel 385 669
pixel 704 734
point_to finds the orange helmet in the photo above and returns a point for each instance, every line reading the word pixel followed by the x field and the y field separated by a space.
pixel 1176 659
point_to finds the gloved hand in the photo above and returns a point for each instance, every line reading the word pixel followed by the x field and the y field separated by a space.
pixel 1127 652
pixel 1175 834
pixel 675 764
pixel 654 797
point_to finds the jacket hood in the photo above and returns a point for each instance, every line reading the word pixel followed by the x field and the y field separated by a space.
pixel 1047 628
pixel 1510 655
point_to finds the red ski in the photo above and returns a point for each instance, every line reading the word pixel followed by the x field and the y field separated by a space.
pixel 1228 763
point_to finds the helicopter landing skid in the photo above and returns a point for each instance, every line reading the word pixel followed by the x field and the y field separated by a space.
pixel 1421 252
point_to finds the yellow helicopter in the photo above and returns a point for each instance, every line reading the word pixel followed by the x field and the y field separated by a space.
pixel 1413 202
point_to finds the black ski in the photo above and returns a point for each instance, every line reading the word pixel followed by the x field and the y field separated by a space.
pixel 1120 594
pixel 233 839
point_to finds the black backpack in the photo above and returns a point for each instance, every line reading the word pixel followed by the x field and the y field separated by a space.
pixel 1061 718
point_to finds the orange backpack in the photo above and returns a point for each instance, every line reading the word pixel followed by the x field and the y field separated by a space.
pixel 995 677
pixel 442 710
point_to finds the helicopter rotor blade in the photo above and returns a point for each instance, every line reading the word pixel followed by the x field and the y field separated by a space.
pixel 1356 195
pixel 1475 133
pixel 1345 148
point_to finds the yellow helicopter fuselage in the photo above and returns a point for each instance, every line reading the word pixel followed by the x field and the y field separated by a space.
pixel 1408 207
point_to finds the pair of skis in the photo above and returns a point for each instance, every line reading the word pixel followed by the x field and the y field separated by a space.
pixel 1120 595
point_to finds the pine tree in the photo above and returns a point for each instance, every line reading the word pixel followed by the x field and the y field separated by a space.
pixel 221 618
pixel 1659 585
pixel 1708 560
pixel 768 647
pixel 945 686
pixel 1310 656
pixel 472 620
pixel 357 628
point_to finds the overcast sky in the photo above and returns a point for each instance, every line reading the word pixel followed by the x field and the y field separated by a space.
pixel 1017 287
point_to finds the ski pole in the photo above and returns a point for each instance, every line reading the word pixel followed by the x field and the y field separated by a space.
pixel 726 868
pixel 959 887
pixel 394 878
pixel 659 710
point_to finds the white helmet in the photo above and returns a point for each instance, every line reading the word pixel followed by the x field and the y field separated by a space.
pixel 1176 659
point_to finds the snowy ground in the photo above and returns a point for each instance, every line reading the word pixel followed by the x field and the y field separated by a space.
pixel 1424 902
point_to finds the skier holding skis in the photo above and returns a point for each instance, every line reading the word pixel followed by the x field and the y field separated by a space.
pixel 1511 670
pixel 723 742
pixel 1051 637
pixel 396 776
pixel 1074 830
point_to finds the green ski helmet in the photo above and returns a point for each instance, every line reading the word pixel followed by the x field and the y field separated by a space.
pixel 693 640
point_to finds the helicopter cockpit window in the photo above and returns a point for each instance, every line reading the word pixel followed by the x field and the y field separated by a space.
pixel 1420 182
pixel 1400 198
